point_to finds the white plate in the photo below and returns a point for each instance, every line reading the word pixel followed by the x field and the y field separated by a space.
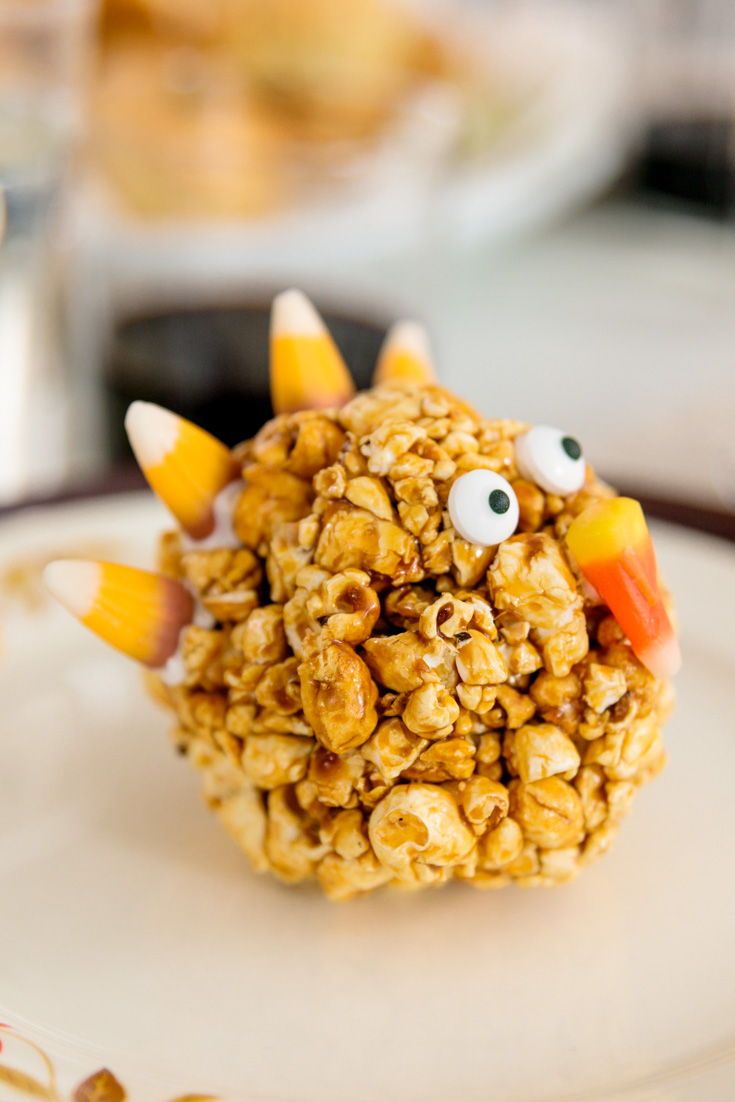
pixel 132 934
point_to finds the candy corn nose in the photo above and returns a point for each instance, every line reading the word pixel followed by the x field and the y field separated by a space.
pixel 185 466
pixel 614 551
pixel 307 371
pixel 139 613
pixel 405 356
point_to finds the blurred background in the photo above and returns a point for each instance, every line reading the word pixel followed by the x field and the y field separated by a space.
pixel 550 186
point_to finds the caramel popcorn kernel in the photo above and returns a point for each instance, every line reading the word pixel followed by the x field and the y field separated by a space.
pixel 339 697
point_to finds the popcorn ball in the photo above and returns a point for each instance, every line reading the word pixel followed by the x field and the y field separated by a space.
pixel 403 643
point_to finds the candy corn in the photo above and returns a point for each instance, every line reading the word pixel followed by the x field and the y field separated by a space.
pixel 307 370
pixel 184 465
pixel 405 356
pixel 612 545
pixel 139 613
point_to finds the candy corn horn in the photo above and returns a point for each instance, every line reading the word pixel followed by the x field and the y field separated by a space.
pixel 615 553
pixel 307 371
pixel 138 612
pixel 405 356
pixel 184 465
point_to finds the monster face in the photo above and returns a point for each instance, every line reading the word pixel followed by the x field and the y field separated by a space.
pixel 608 541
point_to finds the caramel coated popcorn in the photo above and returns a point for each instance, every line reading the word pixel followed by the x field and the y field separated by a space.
pixel 382 701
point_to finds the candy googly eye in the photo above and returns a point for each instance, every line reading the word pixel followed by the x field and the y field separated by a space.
pixel 551 459
pixel 483 507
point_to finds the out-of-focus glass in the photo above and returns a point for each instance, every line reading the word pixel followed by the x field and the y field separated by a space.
pixel 42 50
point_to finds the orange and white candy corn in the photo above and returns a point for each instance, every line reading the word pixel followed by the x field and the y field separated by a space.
pixel 405 356
pixel 184 465
pixel 614 550
pixel 140 613
pixel 306 368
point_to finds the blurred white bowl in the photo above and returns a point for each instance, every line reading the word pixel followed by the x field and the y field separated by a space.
pixel 565 68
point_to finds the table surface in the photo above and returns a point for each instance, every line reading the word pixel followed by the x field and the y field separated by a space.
pixel 617 325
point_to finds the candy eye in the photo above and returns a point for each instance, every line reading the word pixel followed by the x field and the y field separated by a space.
pixel 551 459
pixel 483 507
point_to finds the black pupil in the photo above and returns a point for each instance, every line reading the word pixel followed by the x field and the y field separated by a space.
pixel 499 501
pixel 571 447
